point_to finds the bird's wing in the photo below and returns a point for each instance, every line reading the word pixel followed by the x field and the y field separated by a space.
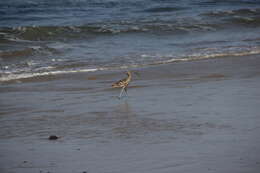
pixel 119 83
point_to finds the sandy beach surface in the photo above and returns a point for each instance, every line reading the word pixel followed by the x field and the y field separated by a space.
pixel 179 117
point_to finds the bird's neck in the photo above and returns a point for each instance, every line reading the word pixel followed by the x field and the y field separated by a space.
pixel 129 77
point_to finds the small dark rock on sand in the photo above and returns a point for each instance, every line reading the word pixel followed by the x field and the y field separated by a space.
pixel 53 137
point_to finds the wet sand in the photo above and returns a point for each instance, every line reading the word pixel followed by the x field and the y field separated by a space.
pixel 198 116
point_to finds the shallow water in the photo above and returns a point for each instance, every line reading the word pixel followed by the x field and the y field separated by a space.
pixel 42 37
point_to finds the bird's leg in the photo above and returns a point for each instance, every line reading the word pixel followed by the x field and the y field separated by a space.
pixel 121 93
pixel 126 91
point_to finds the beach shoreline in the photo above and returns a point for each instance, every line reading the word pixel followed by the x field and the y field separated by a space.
pixel 179 117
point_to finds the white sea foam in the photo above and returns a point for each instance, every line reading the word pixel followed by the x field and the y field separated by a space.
pixel 196 57
pixel 36 47
pixel 8 76
pixel 12 76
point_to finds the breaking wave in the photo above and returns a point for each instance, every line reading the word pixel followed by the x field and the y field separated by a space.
pixel 6 76
pixel 42 33
pixel 210 21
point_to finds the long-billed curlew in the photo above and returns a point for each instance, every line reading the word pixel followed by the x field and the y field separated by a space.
pixel 123 84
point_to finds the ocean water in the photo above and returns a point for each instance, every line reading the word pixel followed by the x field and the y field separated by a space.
pixel 58 59
pixel 46 37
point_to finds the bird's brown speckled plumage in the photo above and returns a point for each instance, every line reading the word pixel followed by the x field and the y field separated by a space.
pixel 123 83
